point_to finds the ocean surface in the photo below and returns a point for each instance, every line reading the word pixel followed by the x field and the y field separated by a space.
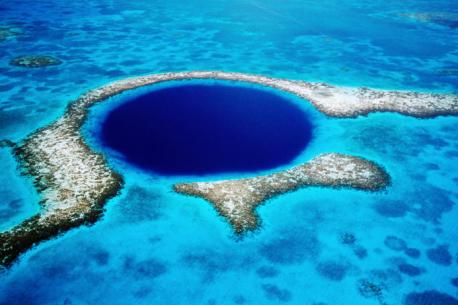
pixel 316 246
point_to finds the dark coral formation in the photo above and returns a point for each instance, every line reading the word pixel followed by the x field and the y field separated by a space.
pixel 347 238
pixel 410 270
pixel 440 255
pixel 391 208
pixel 294 247
pixel 395 243
pixel 7 32
pixel 412 252
pixel 430 297
pixel 332 270
pixel 454 281
pixel 35 61
pixel 369 289
pixel 267 272
pixel 7 143
pixel 273 292
pixel 447 19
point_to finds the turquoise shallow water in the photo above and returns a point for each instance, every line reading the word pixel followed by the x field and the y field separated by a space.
pixel 157 247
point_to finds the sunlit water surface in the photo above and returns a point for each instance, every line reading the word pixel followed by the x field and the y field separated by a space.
pixel 154 246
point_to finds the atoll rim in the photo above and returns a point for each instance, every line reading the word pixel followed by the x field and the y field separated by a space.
pixel 76 182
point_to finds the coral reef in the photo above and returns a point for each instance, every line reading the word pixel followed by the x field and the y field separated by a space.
pixel 447 19
pixel 237 199
pixel 35 61
pixel 347 238
pixel 7 32
pixel 369 289
pixel 75 182
pixel 332 100
pixel 7 143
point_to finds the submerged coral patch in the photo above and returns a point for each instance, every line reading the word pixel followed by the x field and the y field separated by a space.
pixel 412 252
pixel 430 297
pixel 347 238
pixel 454 281
pixel 273 292
pixel 35 61
pixel 212 263
pixel 410 270
pixel 291 248
pixel 440 255
pixel 139 205
pixel 332 270
pixel 7 32
pixel 369 289
pixel 395 243
pixel 391 208
pixel 448 19
pixel 6 143
pixel 150 268
pixel 267 272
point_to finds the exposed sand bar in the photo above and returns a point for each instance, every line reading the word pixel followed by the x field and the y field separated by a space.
pixel 75 182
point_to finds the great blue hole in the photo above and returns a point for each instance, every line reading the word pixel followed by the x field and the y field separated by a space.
pixel 200 129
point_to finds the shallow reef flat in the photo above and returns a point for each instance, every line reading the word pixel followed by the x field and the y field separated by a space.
pixel 331 100
pixel 75 182
pixel 236 200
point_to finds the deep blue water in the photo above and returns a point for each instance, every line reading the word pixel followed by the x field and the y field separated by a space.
pixel 207 129
pixel 315 246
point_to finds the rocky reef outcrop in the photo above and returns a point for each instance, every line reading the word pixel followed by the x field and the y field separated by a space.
pixel 236 200
pixel 35 61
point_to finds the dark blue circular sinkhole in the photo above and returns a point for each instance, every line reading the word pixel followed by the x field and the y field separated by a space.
pixel 197 129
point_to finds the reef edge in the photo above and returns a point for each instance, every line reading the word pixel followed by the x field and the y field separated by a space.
pixel 236 200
